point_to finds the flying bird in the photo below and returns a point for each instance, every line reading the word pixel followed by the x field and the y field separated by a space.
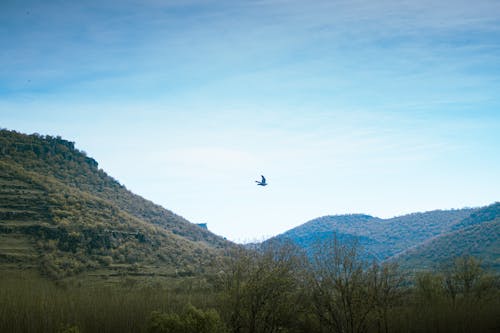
pixel 262 182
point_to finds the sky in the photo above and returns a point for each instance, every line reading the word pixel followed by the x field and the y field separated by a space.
pixel 378 107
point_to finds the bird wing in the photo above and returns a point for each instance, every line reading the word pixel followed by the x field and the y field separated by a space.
pixel 263 179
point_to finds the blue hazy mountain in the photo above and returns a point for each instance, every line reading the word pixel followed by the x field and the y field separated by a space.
pixel 417 239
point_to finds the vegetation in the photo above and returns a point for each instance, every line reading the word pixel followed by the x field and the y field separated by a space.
pixel 479 240
pixel 417 241
pixel 190 320
pixel 68 217
pixel 274 290
pixel 80 253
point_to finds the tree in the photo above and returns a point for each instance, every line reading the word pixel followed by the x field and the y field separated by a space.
pixel 428 288
pixel 465 278
pixel 339 283
pixel 191 320
pixel 386 290
pixel 260 289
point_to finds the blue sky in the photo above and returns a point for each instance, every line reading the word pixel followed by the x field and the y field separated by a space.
pixel 378 107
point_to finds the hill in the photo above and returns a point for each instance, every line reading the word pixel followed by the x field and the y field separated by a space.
pixel 410 238
pixel 63 215
pixel 478 235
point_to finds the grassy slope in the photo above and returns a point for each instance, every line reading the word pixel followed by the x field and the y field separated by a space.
pixel 60 213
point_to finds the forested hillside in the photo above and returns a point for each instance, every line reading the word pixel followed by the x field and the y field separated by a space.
pixel 478 236
pixel 422 239
pixel 62 214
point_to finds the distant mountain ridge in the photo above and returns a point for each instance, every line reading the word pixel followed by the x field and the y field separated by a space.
pixel 62 214
pixel 477 235
pixel 417 239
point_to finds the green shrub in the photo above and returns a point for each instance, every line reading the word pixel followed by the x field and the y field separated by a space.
pixel 192 320
pixel 164 323
pixel 68 329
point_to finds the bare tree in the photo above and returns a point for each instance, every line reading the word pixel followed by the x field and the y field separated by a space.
pixel 386 290
pixel 260 288
pixel 339 285
pixel 465 278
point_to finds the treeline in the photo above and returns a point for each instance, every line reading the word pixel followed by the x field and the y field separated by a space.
pixel 277 289
pixel 334 290
pixel 36 146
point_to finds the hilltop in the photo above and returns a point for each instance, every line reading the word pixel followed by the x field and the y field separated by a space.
pixel 417 240
pixel 62 215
